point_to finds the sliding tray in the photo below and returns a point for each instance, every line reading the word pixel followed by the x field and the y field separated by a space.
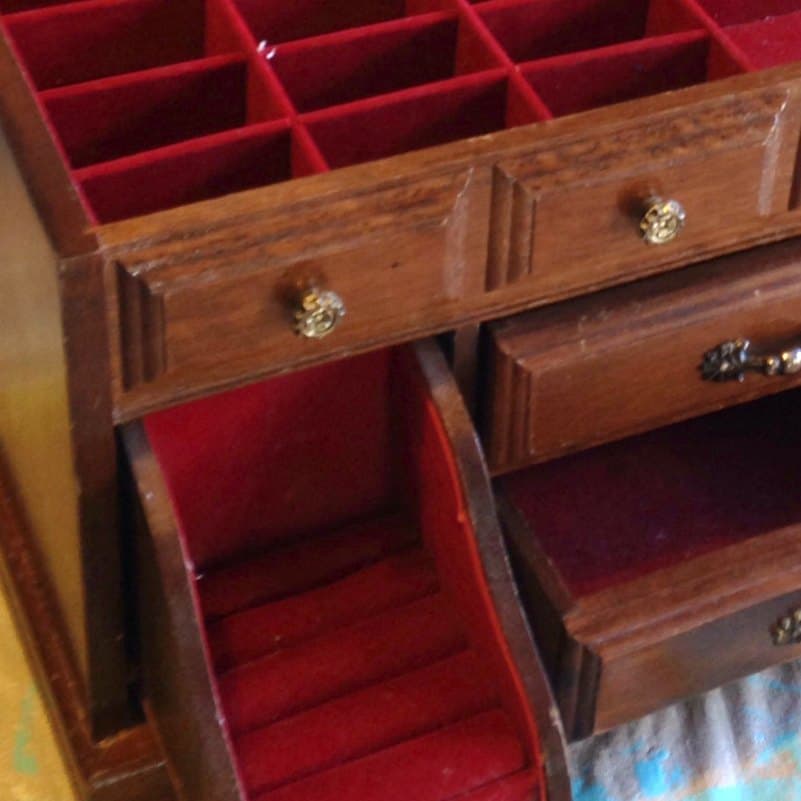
pixel 328 611
pixel 662 565
pixel 418 164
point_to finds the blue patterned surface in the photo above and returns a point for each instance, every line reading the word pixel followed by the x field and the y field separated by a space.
pixel 740 743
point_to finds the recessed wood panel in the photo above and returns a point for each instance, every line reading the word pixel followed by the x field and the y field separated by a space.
pixel 401 259
pixel 570 215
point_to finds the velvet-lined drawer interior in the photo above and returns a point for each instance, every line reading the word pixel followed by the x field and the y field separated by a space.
pixel 662 565
pixel 626 360
pixel 158 103
pixel 326 630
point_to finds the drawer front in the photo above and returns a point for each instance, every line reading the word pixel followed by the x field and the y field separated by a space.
pixel 401 262
pixel 695 662
pixel 623 361
pixel 576 214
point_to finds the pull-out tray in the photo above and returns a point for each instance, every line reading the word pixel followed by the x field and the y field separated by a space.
pixel 665 564
pixel 327 609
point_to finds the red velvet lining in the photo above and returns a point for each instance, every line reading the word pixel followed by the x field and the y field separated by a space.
pixel 74 42
pixel 340 69
pixel 108 119
pixel 434 115
pixel 339 647
pixel 332 665
pixel 623 510
pixel 433 480
pixel 184 173
pixel 530 29
pixel 310 61
pixel 382 585
pixel 303 565
pixel 13 6
pixel 770 42
pixel 300 458
pixel 476 751
pixel 275 21
pixel 378 717
pixel 625 72
pixel 734 12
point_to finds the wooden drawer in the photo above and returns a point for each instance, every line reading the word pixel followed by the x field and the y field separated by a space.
pixel 662 566
pixel 399 260
pixel 569 216
pixel 315 610
pixel 588 371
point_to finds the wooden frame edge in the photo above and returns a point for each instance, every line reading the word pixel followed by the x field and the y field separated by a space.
pixel 480 502
pixel 127 767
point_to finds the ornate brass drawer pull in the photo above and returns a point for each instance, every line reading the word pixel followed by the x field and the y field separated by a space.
pixel 662 221
pixel 318 313
pixel 787 629
pixel 731 360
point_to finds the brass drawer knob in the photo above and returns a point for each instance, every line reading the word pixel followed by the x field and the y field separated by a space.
pixel 662 221
pixel 318 313
pixel 731 360
pixel 787 629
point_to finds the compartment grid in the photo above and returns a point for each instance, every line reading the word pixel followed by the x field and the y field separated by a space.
pixel 372 79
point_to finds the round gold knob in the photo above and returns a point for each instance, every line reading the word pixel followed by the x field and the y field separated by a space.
pixel 318 313
pixel 662 221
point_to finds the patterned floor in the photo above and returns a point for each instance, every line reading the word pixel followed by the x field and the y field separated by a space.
pixel 740 743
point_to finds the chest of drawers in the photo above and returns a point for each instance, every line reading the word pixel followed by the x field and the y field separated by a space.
pixel 200 196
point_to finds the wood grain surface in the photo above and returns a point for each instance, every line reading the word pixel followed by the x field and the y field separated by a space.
pixel 588 371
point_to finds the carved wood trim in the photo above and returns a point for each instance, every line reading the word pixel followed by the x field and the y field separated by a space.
pixel 142 329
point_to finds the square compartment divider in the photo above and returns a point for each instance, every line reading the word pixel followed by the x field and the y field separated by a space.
pixel 61 45
pixel 580 81
pixel 434 114
pixel 199 169
pixel 275 22
pixel 356 64
pixel 115 117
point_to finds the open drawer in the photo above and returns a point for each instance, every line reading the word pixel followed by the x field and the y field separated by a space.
pixel 662 565
pixel 327 610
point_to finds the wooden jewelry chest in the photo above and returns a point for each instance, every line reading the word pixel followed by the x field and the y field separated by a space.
pixel 246 487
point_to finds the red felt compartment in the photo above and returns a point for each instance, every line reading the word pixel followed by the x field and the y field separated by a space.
pixel 432 479
pixel 433 115
pixel 111 118
pixel 621 511
pixel 279 458
pixel 302 564
pixel 276 21
pixel 326 605
pixel 770 42
pixel 343 68
pixel 375 718
pixel 443 765
pixel 735 12
pixel 533 29
pixel 83 41
pixel 354 666
pixel 373 650
pixel 569 84
pixel 200 169
pixel 14 6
